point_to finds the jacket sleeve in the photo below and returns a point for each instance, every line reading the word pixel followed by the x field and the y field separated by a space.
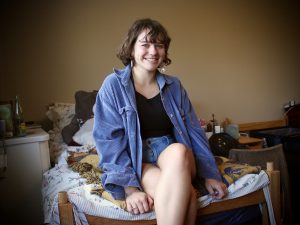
pixel 112 146
pixel 205 160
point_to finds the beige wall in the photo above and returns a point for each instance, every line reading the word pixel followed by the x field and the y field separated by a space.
pixel 237 60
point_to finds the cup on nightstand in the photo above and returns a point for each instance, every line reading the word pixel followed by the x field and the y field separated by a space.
pixel 233 130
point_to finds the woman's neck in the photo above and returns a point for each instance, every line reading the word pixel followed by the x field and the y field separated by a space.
pixel 143 77
pixel 145 83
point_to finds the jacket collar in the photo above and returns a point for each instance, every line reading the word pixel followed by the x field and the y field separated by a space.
pixel 125 76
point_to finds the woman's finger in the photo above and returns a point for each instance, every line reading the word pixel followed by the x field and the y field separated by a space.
pixel 129 207
pixel 210 189
pixel 145 205
pixel 135 210
pixel 150 202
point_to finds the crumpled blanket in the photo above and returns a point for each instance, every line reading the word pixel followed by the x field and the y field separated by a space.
pixel 232 171
pixel 86 164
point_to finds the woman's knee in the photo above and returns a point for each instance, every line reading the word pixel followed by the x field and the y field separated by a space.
pixel 178 155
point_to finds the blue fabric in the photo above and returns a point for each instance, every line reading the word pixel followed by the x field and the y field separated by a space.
pixel 117 130
pixel 152 147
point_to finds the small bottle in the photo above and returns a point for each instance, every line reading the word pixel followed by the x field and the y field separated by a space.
pixel 214 123
pixel 19 123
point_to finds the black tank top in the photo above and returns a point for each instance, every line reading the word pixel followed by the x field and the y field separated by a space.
pixel 153 117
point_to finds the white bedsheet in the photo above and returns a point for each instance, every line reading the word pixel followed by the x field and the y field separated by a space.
pixel 61 178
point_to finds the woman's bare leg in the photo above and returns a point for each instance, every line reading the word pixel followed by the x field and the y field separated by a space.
pixel 173 190
pixel 170 186
pixel 192 209
pixel 150 177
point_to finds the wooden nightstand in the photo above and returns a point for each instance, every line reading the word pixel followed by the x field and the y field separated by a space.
pixel 20 191
pixel 251 142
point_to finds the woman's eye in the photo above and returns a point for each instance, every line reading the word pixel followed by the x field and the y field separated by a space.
pixel 160 46
pixel 157 46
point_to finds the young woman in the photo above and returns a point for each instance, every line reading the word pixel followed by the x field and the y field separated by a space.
pixel 147 134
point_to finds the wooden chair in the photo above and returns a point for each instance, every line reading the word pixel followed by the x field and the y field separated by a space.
pixel 281 203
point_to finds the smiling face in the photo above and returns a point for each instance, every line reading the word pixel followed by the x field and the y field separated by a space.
pixel 148 55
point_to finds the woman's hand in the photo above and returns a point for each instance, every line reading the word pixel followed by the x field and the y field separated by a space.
pixel 137 201
pixel 216 188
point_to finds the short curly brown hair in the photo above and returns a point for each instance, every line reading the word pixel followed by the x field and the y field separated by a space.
pixel 156 33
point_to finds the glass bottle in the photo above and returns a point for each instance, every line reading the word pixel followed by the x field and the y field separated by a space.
pixel 19 123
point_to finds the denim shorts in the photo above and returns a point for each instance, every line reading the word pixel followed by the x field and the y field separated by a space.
pixel 152 147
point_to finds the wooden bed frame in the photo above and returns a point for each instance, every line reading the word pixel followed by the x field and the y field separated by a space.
pixel 254 198
pixel 257 197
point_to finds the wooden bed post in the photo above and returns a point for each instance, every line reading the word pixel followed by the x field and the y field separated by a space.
pixel 65 209
pixel 274 186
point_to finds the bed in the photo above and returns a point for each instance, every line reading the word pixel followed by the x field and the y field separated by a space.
pixel 70 197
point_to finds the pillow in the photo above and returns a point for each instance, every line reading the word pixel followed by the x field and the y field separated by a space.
pixel 61 114
pixel 84 102
pixel 69 130
pixel 85 134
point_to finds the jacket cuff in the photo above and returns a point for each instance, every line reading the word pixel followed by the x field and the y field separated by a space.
pixel 114 183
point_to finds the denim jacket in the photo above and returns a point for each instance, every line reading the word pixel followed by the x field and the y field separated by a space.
pixel 117 130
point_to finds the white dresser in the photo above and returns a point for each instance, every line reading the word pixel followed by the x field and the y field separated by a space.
pixel 20 191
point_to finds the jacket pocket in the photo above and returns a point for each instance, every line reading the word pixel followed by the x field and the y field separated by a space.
pixel 125 109
pixel 129 118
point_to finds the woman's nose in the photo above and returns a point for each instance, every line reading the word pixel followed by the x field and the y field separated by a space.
pixel 152 49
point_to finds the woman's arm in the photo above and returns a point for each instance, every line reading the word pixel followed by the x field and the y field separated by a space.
pixel 112 146
pixel 206 166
